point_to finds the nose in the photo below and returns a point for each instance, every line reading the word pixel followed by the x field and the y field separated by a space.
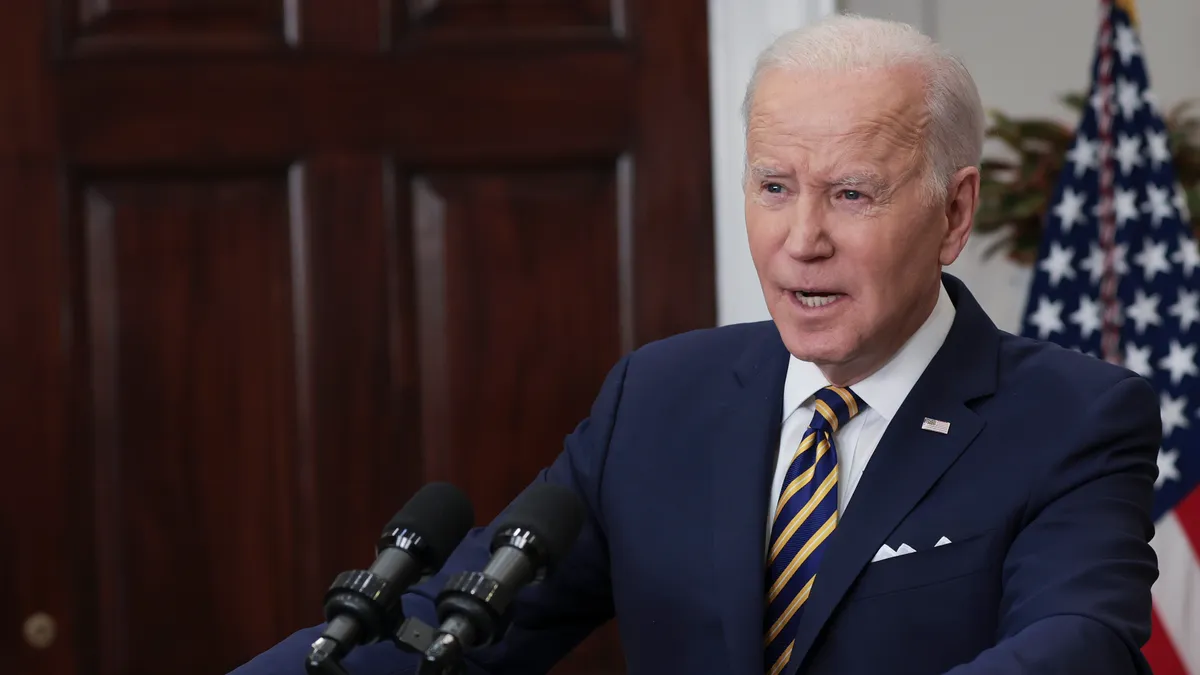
pixel 808 236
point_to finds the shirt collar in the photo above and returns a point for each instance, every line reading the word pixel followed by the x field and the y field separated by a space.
pixel 885 389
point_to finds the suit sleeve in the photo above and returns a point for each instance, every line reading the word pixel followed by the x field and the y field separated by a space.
pixel 1078 575
pixel 546 620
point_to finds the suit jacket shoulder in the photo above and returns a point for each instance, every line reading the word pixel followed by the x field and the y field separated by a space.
pixel 1046 371
pixel 722 345
pixel 681 369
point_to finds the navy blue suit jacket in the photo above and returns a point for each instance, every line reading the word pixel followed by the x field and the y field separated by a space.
pixel 1043 485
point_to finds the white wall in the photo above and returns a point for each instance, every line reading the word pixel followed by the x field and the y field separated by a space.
pixel 1023 54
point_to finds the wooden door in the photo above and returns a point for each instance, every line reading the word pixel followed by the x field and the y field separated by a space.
pixel 266 266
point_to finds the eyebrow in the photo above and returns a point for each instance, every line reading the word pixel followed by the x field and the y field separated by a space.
pixel 868 179
pixel 862 178
pixel 763 171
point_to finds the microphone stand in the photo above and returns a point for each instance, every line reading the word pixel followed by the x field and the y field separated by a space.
pixel 353 594
pixel 413 635
pixel 441 653
pixel 323 659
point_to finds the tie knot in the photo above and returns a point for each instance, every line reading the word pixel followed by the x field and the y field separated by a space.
pixel 835 407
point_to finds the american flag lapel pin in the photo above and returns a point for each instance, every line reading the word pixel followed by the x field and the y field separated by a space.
pixel 939 426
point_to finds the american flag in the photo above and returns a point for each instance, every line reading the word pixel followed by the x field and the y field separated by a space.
pixel 1117 277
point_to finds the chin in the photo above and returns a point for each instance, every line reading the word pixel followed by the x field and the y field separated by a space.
pixel 809 340
pixel 818 349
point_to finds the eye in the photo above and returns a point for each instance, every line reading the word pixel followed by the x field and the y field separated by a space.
pixel 852 195
pixel 773 188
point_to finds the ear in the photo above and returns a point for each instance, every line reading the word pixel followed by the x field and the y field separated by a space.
pixel 962 200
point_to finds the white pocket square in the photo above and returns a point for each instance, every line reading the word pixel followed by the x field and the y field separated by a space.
pixel 886 552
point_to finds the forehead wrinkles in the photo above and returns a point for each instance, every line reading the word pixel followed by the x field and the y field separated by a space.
pixel 894 138
pixel 892 130
pixel 896 130
pixel 890 142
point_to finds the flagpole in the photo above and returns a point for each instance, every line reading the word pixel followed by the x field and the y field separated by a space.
pixel 1110 342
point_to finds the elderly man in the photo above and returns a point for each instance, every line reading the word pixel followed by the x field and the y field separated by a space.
pixel 876 481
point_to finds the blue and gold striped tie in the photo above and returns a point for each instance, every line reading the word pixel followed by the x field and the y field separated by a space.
pixel 807 514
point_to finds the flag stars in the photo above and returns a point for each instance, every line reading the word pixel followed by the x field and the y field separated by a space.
pixel 1159 304
pixel 1129 152
pixel 1188 255
pixel 1087 316
pixel 1137 359
pixel 1144 311
pixel 1048 317
pixel 1186 308
pixel 1158 204
pixel 1127 44
pixel 1166 467
pixel 1084 155
pixel 1153 258
pixel 1129 97
pixel 1156 145
pixel 1180 361
pixel 1126 206
pixel 1173 413
pixel 1069 208
pixel 1058 263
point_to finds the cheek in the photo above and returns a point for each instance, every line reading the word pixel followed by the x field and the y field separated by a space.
pixel 880 265
pixel 763 232
pixel 896 266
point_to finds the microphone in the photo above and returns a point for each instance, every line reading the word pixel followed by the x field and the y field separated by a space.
pixel 538 530
pixel 363 606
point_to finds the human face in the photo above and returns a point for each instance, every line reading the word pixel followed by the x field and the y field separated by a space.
pixel 847 248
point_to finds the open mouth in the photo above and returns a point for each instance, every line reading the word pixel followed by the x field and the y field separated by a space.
pixel 816 298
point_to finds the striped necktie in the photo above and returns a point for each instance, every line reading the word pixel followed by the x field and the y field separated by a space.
pixel 807 514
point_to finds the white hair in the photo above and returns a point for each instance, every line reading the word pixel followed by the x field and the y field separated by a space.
pixel 848 42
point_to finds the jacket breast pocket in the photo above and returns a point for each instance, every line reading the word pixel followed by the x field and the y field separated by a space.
pixel 929 566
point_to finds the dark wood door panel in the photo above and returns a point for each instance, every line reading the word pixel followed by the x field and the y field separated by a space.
pixel 357 377
pixel 187 309
pixel 254 391
pixel 520 288
pixel 521 283
pixel 106 26
pixel 36 542
pixel 275 264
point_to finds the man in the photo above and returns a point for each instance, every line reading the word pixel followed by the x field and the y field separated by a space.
pixel 876 481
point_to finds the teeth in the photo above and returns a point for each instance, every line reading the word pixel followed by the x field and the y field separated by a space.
pixel 815 300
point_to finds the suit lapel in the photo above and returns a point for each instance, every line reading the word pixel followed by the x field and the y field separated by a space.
pixel 744 433
pixel 908 461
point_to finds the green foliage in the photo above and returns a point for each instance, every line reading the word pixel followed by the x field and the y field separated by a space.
pixel 1015 192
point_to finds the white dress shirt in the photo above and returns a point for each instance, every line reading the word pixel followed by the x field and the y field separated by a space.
pixel 883 393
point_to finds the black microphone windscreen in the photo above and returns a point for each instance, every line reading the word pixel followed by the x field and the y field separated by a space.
pixel 552 512
pixel 442 514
